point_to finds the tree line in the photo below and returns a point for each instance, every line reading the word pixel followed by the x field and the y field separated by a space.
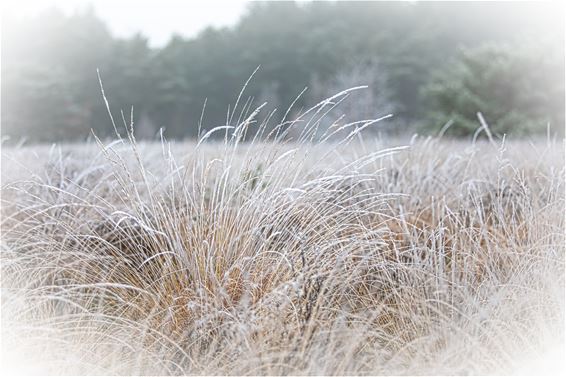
pixel 428 63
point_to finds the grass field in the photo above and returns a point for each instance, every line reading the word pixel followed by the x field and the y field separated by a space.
pixel 425 256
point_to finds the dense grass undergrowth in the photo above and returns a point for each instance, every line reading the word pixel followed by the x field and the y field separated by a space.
pixel 304 257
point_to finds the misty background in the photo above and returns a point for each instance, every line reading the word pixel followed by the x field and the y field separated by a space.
pixel 428 63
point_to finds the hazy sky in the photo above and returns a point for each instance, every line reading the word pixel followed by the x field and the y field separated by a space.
pixel 156 19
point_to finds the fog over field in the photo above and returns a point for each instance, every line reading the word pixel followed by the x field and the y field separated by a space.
pixel 321 188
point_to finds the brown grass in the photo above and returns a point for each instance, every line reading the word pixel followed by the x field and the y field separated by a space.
pixel 283 258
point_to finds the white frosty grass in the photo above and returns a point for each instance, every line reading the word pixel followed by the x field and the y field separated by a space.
pixel 304 257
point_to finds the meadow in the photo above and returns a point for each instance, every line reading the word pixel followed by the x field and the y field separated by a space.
pixel 249 255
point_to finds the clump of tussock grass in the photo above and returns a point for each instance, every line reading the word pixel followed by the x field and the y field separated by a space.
pixel 285 257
